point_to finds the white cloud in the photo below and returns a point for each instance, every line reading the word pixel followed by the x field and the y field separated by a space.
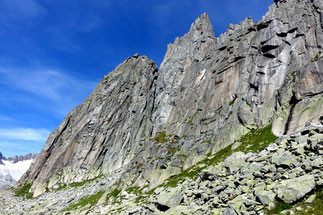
pixel 52 89
pixel 19 147
pixel 28 134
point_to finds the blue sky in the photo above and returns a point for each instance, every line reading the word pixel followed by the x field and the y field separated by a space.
pixel 54 52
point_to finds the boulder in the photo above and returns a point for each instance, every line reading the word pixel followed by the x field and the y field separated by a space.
pixel 235 162
pixel 293 190
pixel 170 198
pixel 265 197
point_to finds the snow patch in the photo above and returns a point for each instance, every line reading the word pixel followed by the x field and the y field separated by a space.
pixel 16 170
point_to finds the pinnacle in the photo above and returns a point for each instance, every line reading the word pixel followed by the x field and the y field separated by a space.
pixel 202 26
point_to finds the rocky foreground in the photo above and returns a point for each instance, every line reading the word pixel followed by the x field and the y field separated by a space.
pixel 245 182
pixel 199 134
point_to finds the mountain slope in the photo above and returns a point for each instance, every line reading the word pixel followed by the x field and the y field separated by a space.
pixel 143 124
pixel 207 93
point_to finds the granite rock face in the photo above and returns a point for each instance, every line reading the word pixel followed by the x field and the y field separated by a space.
pixel 145 124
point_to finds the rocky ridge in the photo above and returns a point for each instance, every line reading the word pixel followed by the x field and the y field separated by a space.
pixel 17 158
pixel 143 124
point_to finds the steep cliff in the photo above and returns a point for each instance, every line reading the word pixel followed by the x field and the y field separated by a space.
pixel 142 124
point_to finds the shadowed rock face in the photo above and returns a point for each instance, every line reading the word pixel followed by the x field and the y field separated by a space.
pixel 147 124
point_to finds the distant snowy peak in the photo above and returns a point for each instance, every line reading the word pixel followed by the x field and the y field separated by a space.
pixel 18 158
pixel 16 170
pixel 1 157
pixel 12 168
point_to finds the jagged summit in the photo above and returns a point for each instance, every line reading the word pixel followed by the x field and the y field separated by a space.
pixel 142 124
pixel 201 29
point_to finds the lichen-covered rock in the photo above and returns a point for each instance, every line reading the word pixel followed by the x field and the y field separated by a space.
pixel 266 197
pixel 235 162
pixel 294 189
pixel 170 198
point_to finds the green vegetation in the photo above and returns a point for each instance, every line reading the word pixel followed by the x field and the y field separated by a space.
pixel 207 141
pixel 113 194
pixel 89 200
pixel 136 190
pixel 23 191
pixel 232 101
pixel 317 205
pixel 161 137
pixel 316 57
pixel 182 155
pixel 308 208
pixel 190 120
pixel 203 119
pixel 77 184
pixel 279 207
pixel 255 140
pixel 172 150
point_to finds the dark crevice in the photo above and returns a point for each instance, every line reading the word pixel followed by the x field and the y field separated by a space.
pixel 267 48
pixel 162 207
pixel 267 55
pixel 292 30
pixel 237 58
pixel 293 101
pixel 282 34
pixel 218 82
pixel 240 120
pixel 253 86
pixel 222 48
pixel 288 43
pixel 299 35
pixel 263 25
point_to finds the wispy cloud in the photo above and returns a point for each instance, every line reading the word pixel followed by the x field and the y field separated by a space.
pixel 20 141
pixel 29 134
pixel 4 118
pixel 59 91
pixel 19 10
pixel 15 147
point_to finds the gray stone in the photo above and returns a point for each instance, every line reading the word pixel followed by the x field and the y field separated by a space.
pixel 265 197
pixel 286 159
pixel 170 198
pixel 294 189
pixel 235 162
pixel 310 199
pixel 229 211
